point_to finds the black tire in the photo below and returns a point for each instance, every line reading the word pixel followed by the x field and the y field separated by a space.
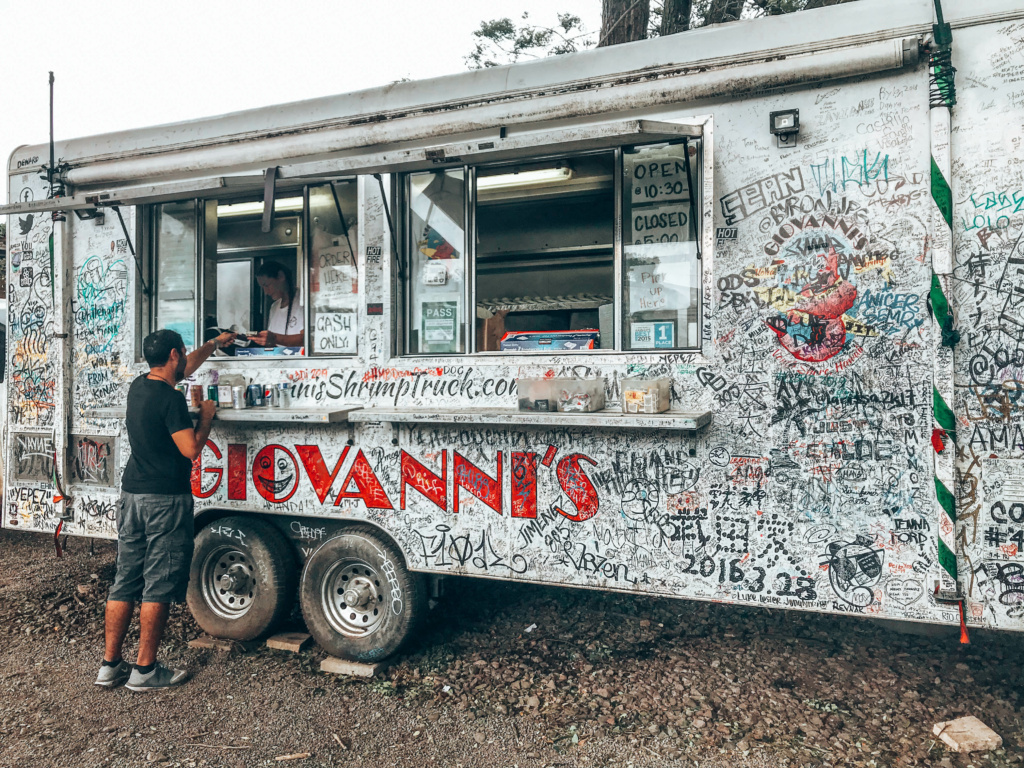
pixel 259 591
pixel 361 563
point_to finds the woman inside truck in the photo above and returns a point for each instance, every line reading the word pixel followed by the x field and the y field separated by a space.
pixel 286 320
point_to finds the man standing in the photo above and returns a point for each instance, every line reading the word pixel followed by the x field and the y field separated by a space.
pixel 155 523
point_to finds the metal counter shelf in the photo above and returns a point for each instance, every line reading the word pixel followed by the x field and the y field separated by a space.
pixel 263 415
pixel 687 421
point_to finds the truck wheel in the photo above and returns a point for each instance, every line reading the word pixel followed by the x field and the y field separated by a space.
pixel 242 582
pixel 359 600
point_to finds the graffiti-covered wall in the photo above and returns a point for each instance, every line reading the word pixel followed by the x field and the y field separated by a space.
pixel 812 487
pixel 988 235
pixel 32 371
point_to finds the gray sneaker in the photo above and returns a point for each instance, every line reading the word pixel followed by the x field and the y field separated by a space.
pixel 112 677
pixel 160 677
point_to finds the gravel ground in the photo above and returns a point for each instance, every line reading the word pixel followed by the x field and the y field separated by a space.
pixel 601 680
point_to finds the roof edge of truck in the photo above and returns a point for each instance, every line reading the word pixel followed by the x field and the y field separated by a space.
pixel 705 49
pixel 682 54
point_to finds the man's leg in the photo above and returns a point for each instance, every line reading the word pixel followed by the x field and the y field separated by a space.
pixel 119 616
pixel 152 622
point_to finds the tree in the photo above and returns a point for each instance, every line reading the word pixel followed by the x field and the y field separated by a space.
pixel 721 11
pixel 623 21
pixel 675 16
pixel 502 41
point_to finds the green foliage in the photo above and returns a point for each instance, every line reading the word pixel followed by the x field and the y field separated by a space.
pixel 504 41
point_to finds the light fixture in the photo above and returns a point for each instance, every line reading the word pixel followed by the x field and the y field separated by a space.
pixel 785 125
pixel 248 209
pixel 86 214
pixel 538 177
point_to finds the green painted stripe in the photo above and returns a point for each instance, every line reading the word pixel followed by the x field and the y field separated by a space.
pixel 940 305
pixel 945 499
pixel 942 194
pixel 943 414
pixel 947 559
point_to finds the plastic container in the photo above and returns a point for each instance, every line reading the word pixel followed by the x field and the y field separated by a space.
pixel 646 395
pixel 537 394
pixel 580 395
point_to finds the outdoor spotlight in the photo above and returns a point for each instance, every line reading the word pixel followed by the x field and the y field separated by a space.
pixel 86 214
pixel 785 125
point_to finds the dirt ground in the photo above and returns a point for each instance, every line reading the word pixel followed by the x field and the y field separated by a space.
pixel 503 675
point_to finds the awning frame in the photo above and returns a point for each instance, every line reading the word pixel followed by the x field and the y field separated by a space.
pixel 503 145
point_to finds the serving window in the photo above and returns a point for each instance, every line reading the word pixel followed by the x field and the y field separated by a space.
pixel 593 251
pixel 217 265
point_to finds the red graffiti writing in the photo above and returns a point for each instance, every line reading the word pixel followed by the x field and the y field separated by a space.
pixel 368 487
pixel 316 469
pixel 477 482
pixel 524 484
pixel 198 471
pixel 432 486
pixel 577 487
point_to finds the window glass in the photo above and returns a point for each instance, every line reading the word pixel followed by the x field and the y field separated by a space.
pixel 437 245
pixel 660 281
pixel 545 255
pixel 176 269
pixel 333 273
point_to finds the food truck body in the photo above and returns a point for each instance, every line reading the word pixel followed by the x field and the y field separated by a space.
pixel 759 213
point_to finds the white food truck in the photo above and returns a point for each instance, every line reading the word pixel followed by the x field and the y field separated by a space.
pixel 733 315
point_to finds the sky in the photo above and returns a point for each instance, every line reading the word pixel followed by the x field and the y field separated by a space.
pixel 121 65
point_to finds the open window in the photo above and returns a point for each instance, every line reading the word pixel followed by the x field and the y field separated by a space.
pixel 251 278
pixel 214 268
pixel 545 254
pixel 593 250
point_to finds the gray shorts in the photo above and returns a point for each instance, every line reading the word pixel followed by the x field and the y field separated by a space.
pixel 154 547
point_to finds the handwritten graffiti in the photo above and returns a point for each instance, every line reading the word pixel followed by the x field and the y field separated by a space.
pixel 755 197
pixel 441 548
pixel 32 458
pixel 854 567
pixel 397 604
pixel 835 173
pixel 100 299
pixel 92 460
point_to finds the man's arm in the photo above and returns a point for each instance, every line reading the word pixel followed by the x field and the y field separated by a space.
pixel 192 441
pixel 199 356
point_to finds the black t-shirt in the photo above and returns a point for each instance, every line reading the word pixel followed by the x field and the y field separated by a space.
pixel 156 410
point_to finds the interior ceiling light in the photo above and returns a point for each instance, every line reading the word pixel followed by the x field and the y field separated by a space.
pixel 247 209
pixel 524 178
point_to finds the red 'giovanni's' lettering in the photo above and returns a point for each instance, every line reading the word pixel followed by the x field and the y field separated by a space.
pixel 577 487
pixel 477 482
pixel 198 470
pixel 316 469
pixel 432 486
pixel 368 487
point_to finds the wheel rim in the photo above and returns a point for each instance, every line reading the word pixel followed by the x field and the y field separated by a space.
pixel 352 597
pixel 229 582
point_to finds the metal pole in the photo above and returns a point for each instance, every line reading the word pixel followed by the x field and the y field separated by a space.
pixel 50 170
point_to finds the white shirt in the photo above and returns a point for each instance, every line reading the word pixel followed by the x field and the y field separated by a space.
pixel 279 313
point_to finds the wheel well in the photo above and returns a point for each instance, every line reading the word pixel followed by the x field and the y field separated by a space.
pixel 208 516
